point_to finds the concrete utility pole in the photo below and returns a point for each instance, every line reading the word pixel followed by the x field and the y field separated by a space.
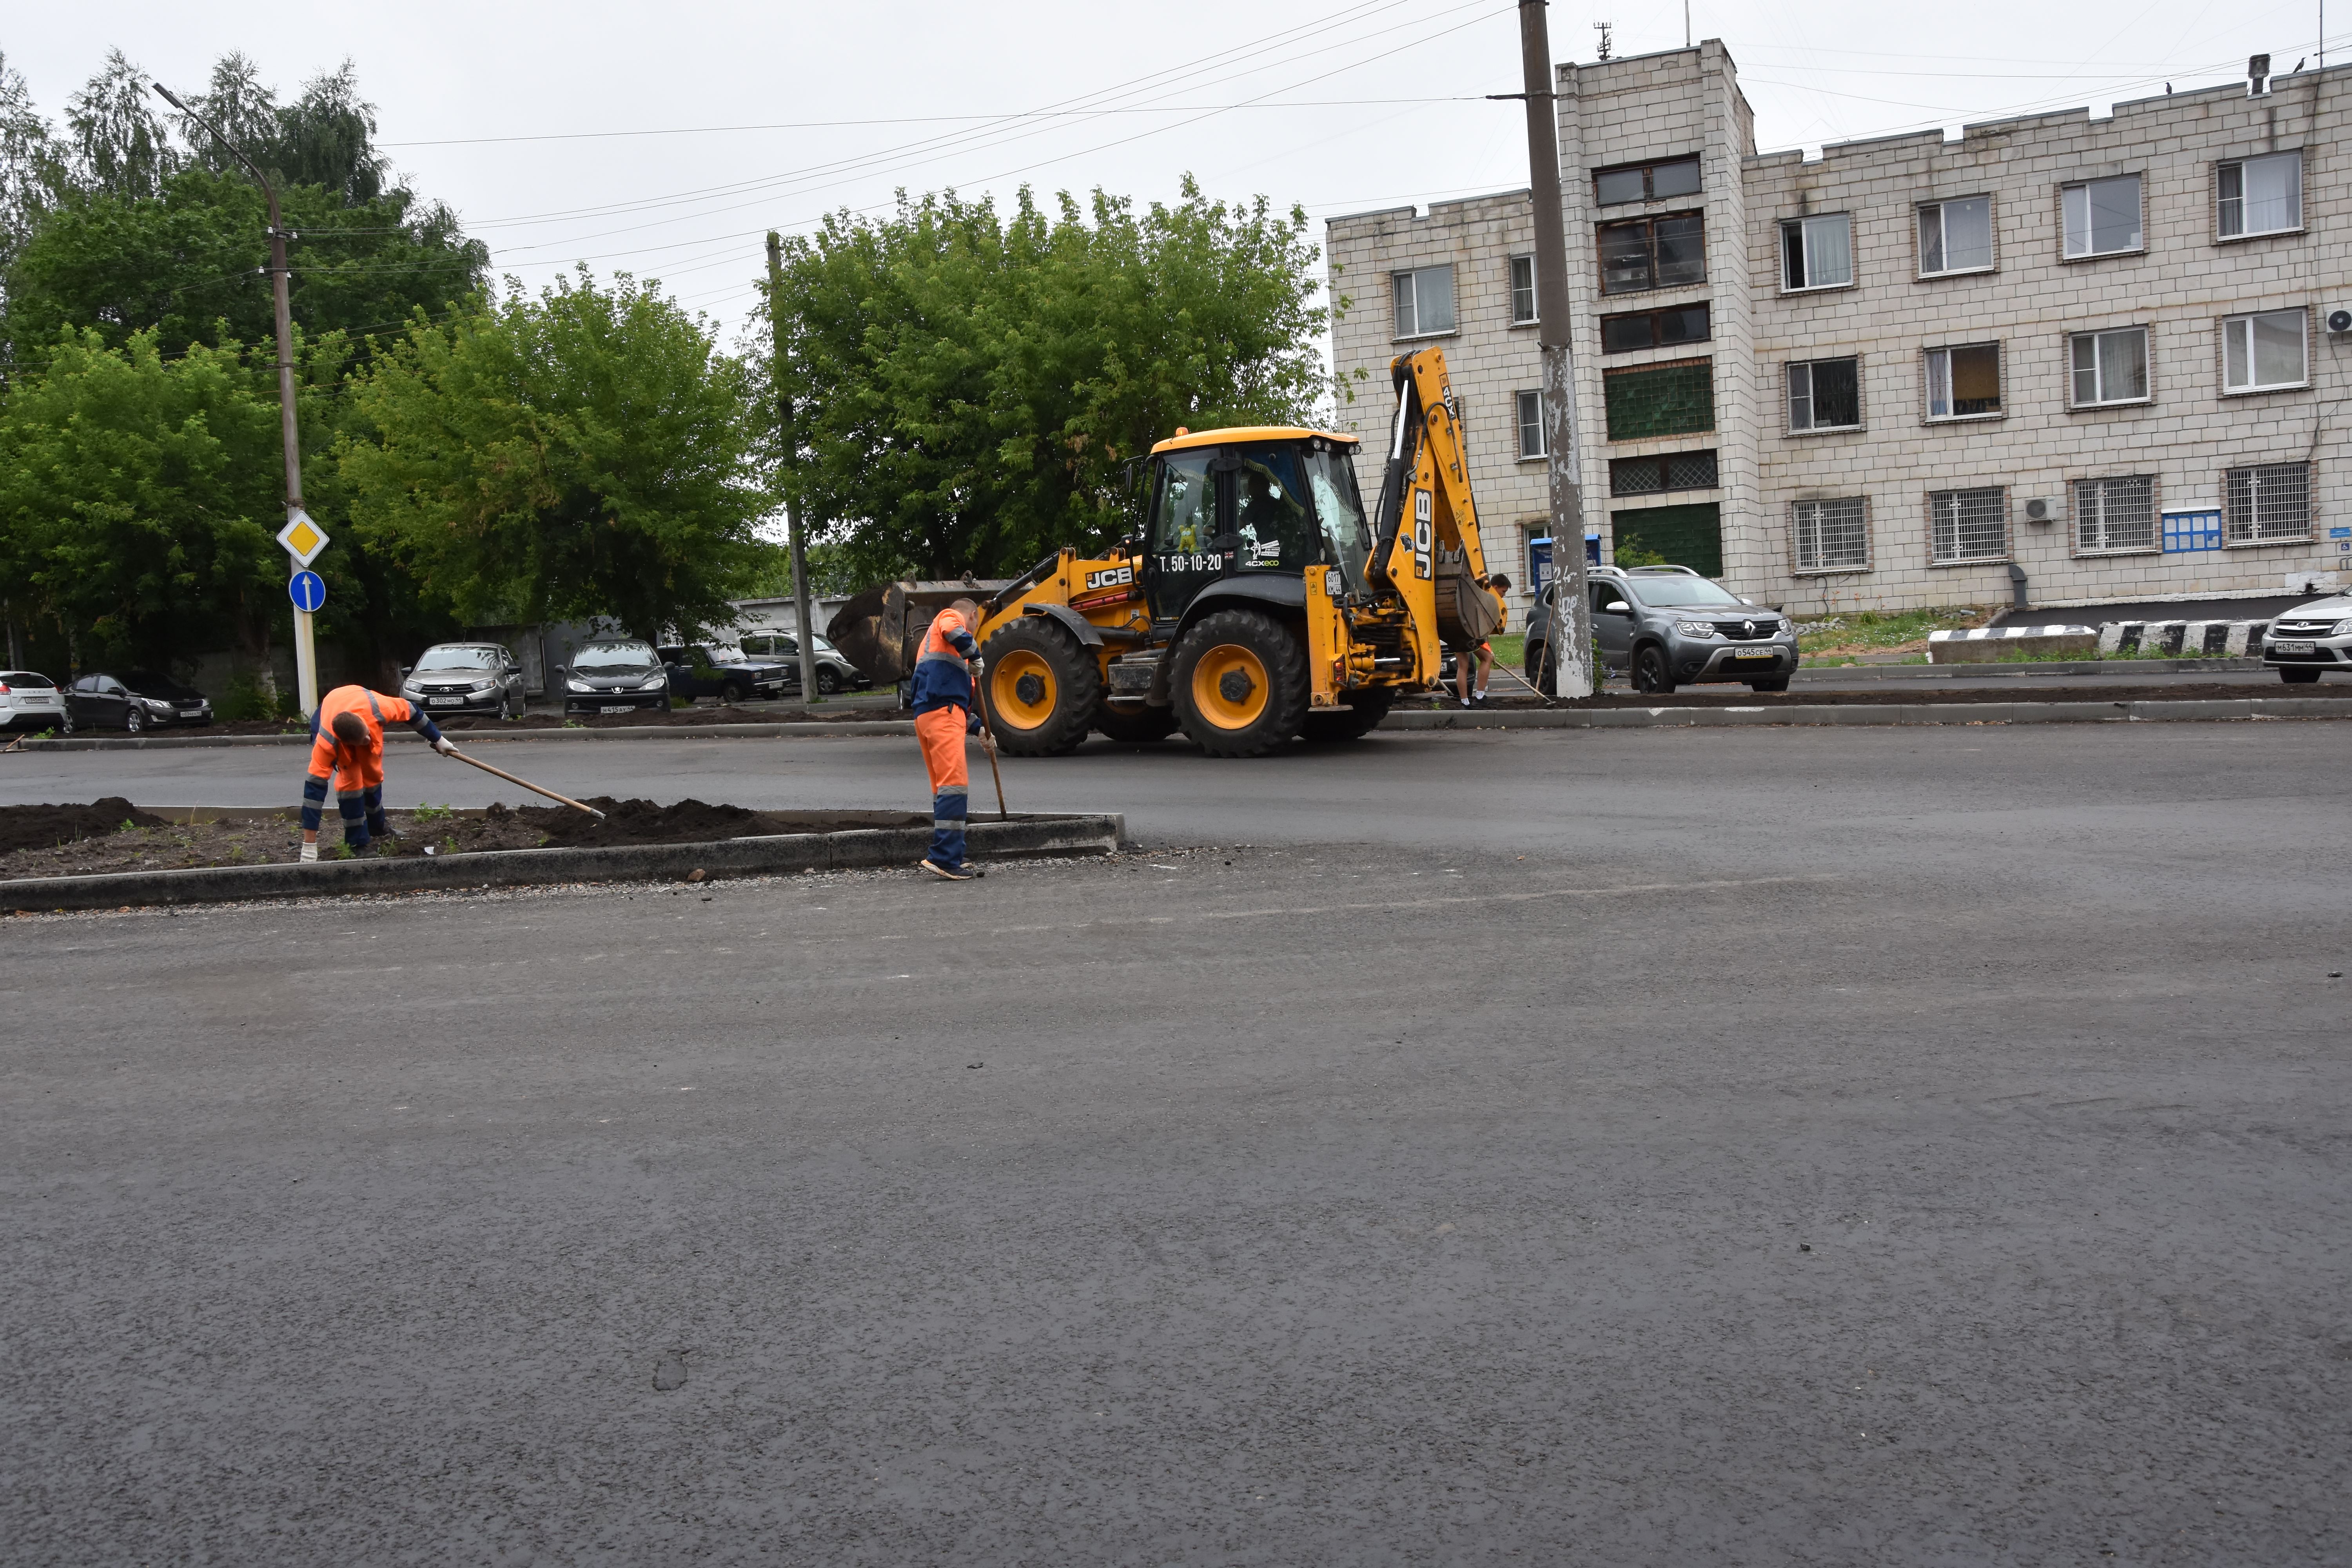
pixel 796 506
pixel 1571 616
pixel 306 652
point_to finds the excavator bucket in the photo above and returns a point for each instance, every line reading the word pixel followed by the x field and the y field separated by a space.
pixel 871 633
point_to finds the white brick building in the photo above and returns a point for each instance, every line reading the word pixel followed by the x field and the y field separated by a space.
pixel 2093 352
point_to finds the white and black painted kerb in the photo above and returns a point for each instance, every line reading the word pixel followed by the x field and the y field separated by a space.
pixel 2183 639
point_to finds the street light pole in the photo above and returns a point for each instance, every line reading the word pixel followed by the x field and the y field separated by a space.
pixel 796 503
pixel 306 652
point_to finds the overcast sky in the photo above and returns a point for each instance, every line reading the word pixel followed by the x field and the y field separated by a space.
pixel 582 130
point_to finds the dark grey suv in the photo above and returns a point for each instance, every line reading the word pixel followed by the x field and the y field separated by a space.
pixel 1668 626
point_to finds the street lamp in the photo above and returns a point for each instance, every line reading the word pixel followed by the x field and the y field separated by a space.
pixel 306 655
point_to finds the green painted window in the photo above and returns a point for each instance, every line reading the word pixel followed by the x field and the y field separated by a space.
pixel 1660 399
pixel 1689 536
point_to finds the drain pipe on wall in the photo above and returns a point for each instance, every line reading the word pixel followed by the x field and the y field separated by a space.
pixel 2017 587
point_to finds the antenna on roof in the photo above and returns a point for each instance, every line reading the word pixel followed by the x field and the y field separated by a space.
pixel 1604 29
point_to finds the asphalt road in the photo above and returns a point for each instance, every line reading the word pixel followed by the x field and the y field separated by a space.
pixel 1754 1146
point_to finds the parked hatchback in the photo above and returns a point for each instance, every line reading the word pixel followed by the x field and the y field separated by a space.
pixel 2309 640
pixel 31 701
pixel 1669 626
pixel 465 678
pixel 616 675
pixel 133 701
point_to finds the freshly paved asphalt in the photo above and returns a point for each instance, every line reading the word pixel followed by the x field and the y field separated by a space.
pixel 1755 1146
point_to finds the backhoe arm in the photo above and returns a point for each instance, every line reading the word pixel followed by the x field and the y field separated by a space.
pixel 1426 549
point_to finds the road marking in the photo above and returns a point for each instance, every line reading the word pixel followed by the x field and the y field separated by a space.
pixel 1438 902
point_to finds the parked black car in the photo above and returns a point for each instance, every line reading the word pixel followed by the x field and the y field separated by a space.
pixel 134 701
pixel 614 674
pixel 465 678
pixel 834 672
pixel 714 669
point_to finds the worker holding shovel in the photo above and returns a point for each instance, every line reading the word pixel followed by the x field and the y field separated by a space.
pixel 347 744
pixel 943 718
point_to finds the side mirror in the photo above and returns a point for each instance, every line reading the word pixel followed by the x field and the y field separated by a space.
pixel 406 671
pixel 1617 608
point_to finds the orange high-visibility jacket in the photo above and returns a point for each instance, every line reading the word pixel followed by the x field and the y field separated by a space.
pixel 356 768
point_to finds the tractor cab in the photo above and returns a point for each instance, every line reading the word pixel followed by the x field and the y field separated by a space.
pixel 1249 503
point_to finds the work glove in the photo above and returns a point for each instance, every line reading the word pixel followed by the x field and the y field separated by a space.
pixel 977 665
pixel 442 744
pixel 310 852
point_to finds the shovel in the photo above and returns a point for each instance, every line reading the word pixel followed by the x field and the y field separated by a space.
pixel 527 784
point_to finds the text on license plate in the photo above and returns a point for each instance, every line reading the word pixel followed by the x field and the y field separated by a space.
pixel 2292 647
pixel 1754 653
pixel 622 707
pixel 445 702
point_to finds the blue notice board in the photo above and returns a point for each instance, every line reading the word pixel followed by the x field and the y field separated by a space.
pixel 2187 531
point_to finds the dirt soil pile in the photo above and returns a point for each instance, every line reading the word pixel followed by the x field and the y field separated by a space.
pixel 47 826
pixel 691 822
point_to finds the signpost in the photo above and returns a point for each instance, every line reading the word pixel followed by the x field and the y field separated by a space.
pixel 303 540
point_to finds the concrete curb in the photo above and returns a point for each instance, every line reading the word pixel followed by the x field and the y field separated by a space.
pixel 1880 713
pixel 858 849
pixel 2018 668
pixel 467 738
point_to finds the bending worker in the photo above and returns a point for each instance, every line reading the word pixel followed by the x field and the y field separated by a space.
pixel 1496 586
pixel 347 744
pixel 943 716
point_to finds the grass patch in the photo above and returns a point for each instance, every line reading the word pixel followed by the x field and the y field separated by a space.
pixel 1881 631
pixel 425 813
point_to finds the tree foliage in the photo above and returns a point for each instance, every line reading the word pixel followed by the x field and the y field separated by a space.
pixel 583 453
pixel 965 392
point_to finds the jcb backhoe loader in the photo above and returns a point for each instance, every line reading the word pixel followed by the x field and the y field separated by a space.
pixel 1256 603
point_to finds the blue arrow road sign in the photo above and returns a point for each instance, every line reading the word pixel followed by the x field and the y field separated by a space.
pixel 307 590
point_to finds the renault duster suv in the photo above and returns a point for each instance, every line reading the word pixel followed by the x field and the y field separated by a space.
pixel 1669 626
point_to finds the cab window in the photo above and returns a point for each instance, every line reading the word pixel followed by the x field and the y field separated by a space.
pixel 1270 511
pixel 1184 513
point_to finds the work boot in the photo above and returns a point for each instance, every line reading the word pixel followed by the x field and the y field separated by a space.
pixel 951 873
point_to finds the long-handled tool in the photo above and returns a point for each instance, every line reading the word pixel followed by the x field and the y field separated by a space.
pixel 526 784
pixel 988 741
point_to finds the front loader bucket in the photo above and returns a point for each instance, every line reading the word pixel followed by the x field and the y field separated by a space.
pixel 870 630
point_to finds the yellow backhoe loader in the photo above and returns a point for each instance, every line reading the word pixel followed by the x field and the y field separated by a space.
pixel 1258 600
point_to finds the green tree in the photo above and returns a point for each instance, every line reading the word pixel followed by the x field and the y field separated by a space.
pixel 583 453
pixel 966 393
pixel 119 144
pixel 31 164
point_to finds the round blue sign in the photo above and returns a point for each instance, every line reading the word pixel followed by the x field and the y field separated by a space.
pixel 307 590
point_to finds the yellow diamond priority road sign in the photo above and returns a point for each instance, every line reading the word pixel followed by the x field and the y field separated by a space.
pixel 302 538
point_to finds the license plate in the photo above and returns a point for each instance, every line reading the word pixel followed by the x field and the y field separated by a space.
pixel 1754 653
pixel 445 702
pixel 2294 647
pixel 624 708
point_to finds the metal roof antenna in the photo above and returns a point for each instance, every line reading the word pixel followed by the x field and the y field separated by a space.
pixel 1605 29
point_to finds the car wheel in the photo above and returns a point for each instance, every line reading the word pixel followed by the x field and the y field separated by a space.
pixel 1777 683
pixel 828 682
pixel 65 722
pixel 731 691
pixel 506 708
pixel 1240 684
pixel 2298 676
pixel 1651 672
pixel 134 720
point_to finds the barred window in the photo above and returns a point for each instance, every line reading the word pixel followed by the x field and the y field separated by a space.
pixel 1653 476
pixel 1967 525
pixel 2268 502
pixel 2114 514
pixel 1671 399
pixel 1831 535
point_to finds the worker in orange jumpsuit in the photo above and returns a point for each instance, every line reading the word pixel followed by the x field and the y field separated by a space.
pixel 347 745
pixel 944 671
pixel 1496 586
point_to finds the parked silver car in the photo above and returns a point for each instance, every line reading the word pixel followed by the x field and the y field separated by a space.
pixel 2310 639
pixel 465 678
pixel 29 701
pixel 1669 626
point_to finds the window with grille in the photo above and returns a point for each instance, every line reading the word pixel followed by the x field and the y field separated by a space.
pixel 2102 216
pixel 1660 400
pixel 1956 237
pixel 2268 502
pixel 2262 195
pixel 1831 535
pixel 2114 514
pixel 1523 290
pixel 2264 352
pixel 1967 525
pixel 1825 394
pixel 1424 301
pixel 1531 423
pixel 2110 367
pixel 1964 382
pixel 1653 253
pixel 1646 181
pixel 1655 475
pixel 1817 252
pixel 1653 329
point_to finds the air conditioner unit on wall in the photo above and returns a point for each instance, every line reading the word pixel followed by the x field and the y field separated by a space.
pixel 2339 320
pixel 2044 510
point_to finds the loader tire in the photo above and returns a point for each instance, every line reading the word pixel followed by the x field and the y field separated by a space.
pixel 1366 710
pixel 1239 683
pixel 1136 726
pixel 1042 689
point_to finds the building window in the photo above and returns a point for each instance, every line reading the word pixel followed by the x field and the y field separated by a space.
pixel 1424 301
pixel 1673 399
pixel 1523 290
pixel 2264 352
pixel 1531 423
pixel 1817 252
pixel 2269 503
pixel 1967 525
pixel 2110 367
pixel 1653 253
pixel 2112 515
pixel 2262 195
pixel 1956 237
pixel 1655 475
pixel 1825 394
pixel 1654 329
pixel 1831 535
pixel 1964 382
pixel 2102 216
pixel 1646 183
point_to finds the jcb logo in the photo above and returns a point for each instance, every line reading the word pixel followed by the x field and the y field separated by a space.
pixel 1422 508
pixel 1112 578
